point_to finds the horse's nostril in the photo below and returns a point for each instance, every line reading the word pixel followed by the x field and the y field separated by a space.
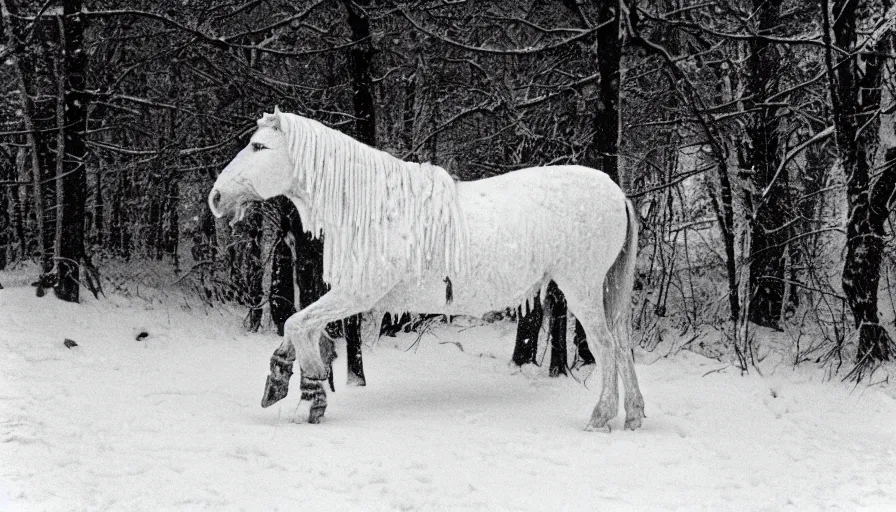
pixel 216 198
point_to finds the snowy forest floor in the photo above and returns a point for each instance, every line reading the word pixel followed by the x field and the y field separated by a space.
pixel 173 422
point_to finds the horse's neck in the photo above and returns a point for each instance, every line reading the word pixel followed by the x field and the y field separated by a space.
pixel 358 194
pixel 365 152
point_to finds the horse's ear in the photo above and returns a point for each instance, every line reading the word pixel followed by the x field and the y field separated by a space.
pixel 276 114
pixel 270 120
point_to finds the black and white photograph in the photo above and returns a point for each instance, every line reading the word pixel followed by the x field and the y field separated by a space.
pixel 447 255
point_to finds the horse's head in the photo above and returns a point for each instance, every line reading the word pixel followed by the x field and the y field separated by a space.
pixel 263 169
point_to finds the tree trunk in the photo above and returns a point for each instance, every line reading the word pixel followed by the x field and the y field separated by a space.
pixel 154 222
pixel 282 295
pixel 38 113
pixel 605 145
pixel 74 178
pixel 528 324
pixel 856 97
pixel 768 227
pixel 360 62
pixel 5 224
pixel 99 220
pixel 582 345
pixel 557 308
pixel 352 330
pixel 119 232
pixel 309 267
pixel 204 249
pixel 20 203
pixel 172 183
pixel 172 233
pixel 253 268
pixel 807 204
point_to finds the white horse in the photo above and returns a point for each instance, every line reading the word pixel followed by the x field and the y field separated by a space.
pixel 403 236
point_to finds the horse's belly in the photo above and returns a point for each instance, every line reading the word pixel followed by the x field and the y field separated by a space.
pixel 473 295
pixel 502 271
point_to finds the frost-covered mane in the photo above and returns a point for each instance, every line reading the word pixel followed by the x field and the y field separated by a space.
pixel 360 197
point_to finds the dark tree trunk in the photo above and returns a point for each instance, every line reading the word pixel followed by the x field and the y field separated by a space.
pixel 154 222
pixel 99 219
pixel 409 111
pixel 172 182
pixel 582 345
pixel 20 204
pixel 856 98
pixel 768 229
pixel 309 266
pixel 529 321
pixel 253 268
pixel 119 232
pixel 74 179
pixel 557 310
pixel 360 62
pixel 282 294
pixel 38 111
pixel 605 145
pixel 818 161
pixel 204 251
pixel 172 233
pixel 352 330
pixel 5 224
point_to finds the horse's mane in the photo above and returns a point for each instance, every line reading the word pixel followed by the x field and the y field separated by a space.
pixel 354 191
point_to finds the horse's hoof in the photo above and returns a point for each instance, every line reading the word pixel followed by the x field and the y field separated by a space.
pixel 633 423
pixel 274 391
pixel 594 428
pixel 315 415
pixel 601 417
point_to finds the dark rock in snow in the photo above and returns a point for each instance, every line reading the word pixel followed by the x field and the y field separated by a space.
pixel 142 335
pixel 69 343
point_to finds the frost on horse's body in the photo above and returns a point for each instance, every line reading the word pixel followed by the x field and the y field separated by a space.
pixel 398 233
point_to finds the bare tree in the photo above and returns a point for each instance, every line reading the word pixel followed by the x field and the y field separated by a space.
pixel 72 152
pixel 856 80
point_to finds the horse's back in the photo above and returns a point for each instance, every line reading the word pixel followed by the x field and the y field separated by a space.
pixel 529 225
pixel 542 202
pixel 575 185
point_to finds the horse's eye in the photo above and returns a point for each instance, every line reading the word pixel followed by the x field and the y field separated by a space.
pixel 258 146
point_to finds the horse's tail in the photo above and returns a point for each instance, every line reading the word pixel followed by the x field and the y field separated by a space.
pixel 620 280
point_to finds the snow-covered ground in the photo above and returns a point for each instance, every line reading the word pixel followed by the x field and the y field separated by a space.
pixel 173 422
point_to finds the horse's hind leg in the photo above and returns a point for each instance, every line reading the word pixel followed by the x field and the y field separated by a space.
pixel 634 402
pixel 589 310
pixel 604 352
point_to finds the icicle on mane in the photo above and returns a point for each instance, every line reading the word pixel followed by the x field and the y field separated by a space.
pixel 357 195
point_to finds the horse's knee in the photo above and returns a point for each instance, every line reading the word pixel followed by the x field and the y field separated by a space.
pixel 311 359
pixel 292 327
pixel 286 352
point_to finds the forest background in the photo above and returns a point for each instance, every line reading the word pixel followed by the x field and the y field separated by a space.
pixel 756 138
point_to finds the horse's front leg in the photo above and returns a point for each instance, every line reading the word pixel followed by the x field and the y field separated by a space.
pixel 304 341
pixel 282 362
pixel 277 385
